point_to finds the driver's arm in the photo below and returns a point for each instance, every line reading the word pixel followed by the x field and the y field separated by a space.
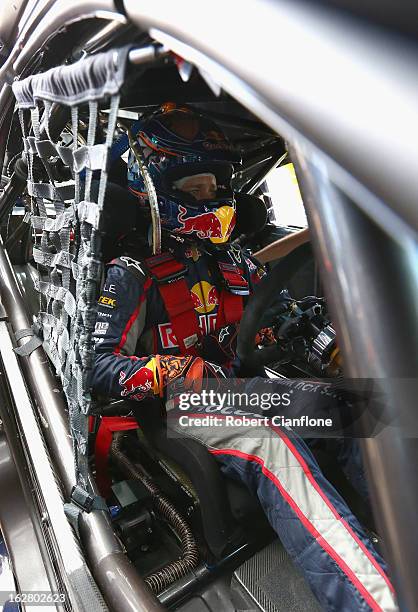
pixel 265 335
pixel 117 372
pixel 282 247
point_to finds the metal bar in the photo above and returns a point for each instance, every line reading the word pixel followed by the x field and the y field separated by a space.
pixel 262 163
pixel 261 153
pixel 17 527
pixel 371 285
pixel 10 14
pixel 147 55
pixel 11 192
pixel 104 552
pixel 59 13
pixel 254 183
pixel 6 115
pixel 72 562
pixel 40 26
pixel 197 579
pixel 17 182
pixel 102 39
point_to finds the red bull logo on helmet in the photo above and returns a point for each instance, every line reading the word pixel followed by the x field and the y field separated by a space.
pixel 216 225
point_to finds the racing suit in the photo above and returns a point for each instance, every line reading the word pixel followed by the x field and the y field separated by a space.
pixel 137 355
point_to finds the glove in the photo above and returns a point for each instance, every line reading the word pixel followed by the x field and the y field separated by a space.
pixel 192 373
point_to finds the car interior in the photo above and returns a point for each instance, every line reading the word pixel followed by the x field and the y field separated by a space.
pixel 197 540
pixel 208 521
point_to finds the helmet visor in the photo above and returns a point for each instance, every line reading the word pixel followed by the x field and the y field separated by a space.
pixel 173 179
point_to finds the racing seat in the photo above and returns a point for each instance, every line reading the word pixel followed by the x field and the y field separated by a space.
pixel 228 511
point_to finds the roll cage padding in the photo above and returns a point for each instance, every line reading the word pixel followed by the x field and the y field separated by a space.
pixel 90 79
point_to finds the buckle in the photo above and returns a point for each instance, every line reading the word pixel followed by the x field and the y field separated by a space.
pixel 170 278
pixel 190 341
pixel 237 290
pixel 158 264
pixel 236 283
pixel 233 279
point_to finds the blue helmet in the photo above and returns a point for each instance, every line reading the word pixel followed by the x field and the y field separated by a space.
pixel 177 142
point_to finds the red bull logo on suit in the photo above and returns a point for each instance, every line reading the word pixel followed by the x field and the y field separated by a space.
pixel 138 383
pixel 205 297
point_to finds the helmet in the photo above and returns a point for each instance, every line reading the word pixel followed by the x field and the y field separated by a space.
pixel 178 142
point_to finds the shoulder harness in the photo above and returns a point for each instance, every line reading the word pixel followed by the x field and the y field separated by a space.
pixel 169 274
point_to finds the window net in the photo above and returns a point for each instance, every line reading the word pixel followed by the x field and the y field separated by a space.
pixel 66 222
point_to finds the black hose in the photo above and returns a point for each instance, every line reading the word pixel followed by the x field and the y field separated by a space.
pixel 175 570
pixel 264 293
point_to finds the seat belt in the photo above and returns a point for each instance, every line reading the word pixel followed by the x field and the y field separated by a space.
pixel 236 286
pixel 230 309
pixel 170 277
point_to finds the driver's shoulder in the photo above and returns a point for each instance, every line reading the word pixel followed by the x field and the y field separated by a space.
pixel 125 268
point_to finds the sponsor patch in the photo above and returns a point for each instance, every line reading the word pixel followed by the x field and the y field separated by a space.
pixel 109 288
pixel 205 225
pixel 107 301
pixel 190 340
pixel 204 296
pixel 261 272
pixel 101 328
pixel 251 265
pixel 167 337
pixel 223 333
pixel 207 324
pixel 132 263
pixel 140 382
pixel 236 253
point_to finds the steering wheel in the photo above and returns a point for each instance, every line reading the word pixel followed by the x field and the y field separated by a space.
pixel 251 357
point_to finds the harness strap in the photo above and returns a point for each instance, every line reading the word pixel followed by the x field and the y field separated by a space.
pixel 231 304
pixel 170 277
pixel 169 274
pixel 230 310
pixel 233 278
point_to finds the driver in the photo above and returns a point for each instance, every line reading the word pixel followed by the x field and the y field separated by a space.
pixel 174 316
